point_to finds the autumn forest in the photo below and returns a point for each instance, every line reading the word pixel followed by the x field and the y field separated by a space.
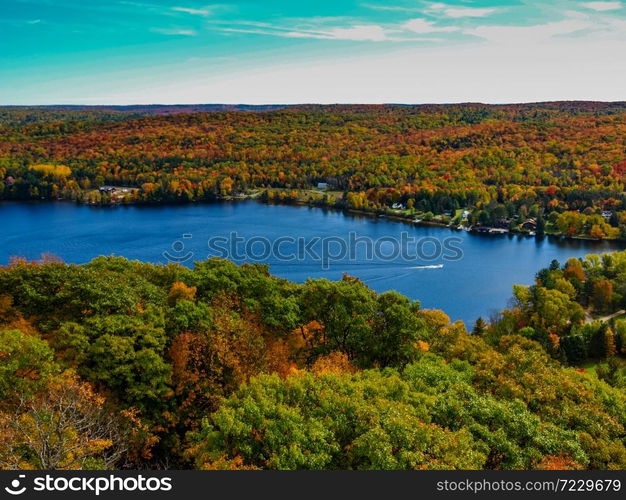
pixel 551 168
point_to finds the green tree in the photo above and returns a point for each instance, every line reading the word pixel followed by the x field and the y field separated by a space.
pixel 26 364
pixel 480 327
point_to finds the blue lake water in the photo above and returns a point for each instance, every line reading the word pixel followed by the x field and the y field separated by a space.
pixel 476 284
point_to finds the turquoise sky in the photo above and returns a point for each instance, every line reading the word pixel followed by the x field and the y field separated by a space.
pixel 190 51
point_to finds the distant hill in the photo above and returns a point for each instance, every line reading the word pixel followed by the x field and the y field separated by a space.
pixel 168 109
pixel 154 109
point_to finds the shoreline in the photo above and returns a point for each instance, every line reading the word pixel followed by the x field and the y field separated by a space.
pixel 373 214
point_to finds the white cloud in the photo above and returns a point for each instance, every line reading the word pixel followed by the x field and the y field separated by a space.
pixel 175 32
pixel 391 8
pixel 618 25
pixel 458 12
pixel 195 12
pixel 535 33
pixel 575 23
pixel 602 6
pixel 424 26
pixel 359 32
pixel 371 32
pixel 323 29
pixel 251 31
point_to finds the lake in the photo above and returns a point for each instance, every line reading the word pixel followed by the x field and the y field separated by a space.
pixel 466 275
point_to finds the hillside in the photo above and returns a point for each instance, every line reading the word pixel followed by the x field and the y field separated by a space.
pixel 559 165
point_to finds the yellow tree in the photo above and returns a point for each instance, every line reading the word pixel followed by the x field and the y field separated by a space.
pixel 65 427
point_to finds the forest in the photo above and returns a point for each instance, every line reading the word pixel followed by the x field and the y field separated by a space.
pixel 119 364
pixel 550 168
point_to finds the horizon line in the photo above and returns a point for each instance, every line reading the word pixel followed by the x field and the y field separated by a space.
pixel 447 103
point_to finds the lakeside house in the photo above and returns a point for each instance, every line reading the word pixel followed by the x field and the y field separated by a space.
pixel 489 230
pixel 115 193
pixel 114 189
pixel 530 224
pixel 322 185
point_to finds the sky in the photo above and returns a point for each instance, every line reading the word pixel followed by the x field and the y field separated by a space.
pixel 310 51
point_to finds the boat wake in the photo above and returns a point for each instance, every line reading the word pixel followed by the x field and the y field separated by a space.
pixel 433 266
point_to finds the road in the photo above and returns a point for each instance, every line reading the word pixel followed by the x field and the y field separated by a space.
pixel 603 319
